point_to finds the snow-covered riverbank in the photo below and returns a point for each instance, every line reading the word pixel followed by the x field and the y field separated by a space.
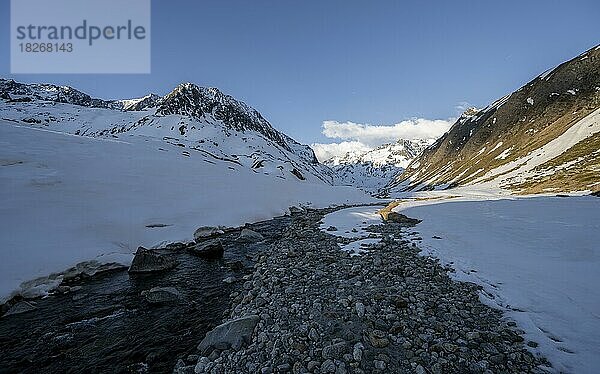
pixel 537 258
pixel 67 199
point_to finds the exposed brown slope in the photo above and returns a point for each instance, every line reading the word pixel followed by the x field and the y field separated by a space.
pixel 514 126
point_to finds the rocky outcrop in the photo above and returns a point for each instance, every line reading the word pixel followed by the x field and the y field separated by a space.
pixel 149 261
pixel 396 217
pixel 211 249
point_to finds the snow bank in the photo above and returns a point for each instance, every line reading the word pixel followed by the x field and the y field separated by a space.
pixel 351 223
pixel 358 218
pixel 67 199
pixel 537 258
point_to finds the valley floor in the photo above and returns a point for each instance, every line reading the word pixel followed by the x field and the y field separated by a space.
pixel 371 299
pixel 537 258
pixel 310 307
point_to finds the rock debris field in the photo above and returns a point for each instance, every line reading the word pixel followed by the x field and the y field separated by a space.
pixel 309 307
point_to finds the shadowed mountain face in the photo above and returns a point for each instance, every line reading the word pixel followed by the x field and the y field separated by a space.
pixel 197 102
pixel 544 137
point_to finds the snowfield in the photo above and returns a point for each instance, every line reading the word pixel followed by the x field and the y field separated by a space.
pixel 537 258
pixel 67 199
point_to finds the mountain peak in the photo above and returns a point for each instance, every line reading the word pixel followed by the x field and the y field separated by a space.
pixel 191 100
pixel 372 170
pixel 470 112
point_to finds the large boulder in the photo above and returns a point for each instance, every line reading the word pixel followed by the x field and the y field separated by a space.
pixel 250 236
pixel 19 308
pixel 401 218
pixel 231 334
pixel 207 232
pixel 296 210
pixel 597 194
pixel 161 295
pixel 212 248
pixel 149 261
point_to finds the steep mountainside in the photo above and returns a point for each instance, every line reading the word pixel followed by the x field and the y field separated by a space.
pixel 373 169
pixel 203 122
pixel 544 137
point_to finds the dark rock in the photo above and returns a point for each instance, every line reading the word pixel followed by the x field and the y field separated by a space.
pixel 231 334
pixel 296 210
pixel 332 228
pixel 207 232
pixel 149 261
pixel 157 225
pixel 328 367
pixel 161 295
pixel 248 235
pixel 236 265
pixel 31 120
pixel 209 249
pixel 19 308
pixel 297 174
pixel 229 280
pixel 378 339
pixel 498 359
pixel 175 246
pixel 597 193
pixel 401 218
pixel 21 100
pixel 335 351
pixel 399 302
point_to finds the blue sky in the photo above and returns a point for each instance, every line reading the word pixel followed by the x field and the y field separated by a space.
pixel 379 62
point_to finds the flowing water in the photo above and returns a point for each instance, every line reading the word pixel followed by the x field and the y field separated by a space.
pixel 108 327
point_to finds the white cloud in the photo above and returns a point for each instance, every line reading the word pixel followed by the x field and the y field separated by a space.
pixel 356 136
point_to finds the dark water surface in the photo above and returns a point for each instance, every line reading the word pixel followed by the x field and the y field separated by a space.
pixel 108 327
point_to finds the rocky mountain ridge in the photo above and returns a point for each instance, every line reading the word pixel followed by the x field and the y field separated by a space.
pixel 202 119
pixel 544 137
pixel 372 170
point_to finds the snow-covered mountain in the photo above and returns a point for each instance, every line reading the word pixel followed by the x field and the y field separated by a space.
pixel 544 137
pixel 88 179
pixel 372 170
pixel 203 122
